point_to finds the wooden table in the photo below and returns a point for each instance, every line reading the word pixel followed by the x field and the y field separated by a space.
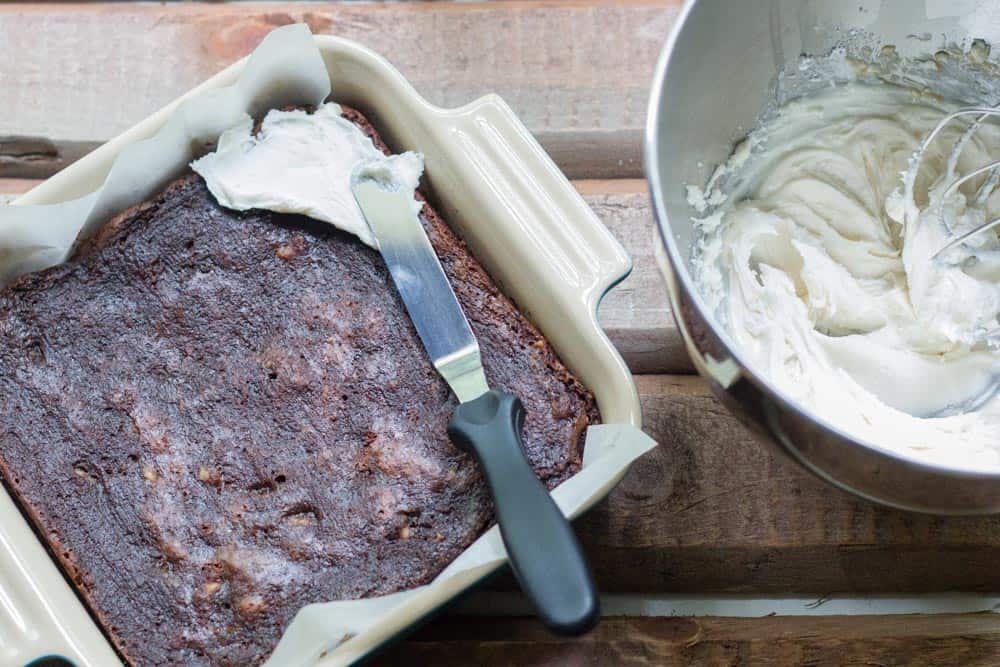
pixel 710 513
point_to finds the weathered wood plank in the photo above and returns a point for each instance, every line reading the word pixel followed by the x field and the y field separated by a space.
pixel 950 639
pixel 712 510
pixel 635 314
pixel 577 72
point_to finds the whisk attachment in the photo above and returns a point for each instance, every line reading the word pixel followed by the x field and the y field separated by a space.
pixel 965 236
pixel 983 114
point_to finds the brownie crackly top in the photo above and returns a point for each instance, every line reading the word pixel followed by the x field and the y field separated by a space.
pixel 216 418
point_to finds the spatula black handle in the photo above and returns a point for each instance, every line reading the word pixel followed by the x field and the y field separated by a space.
pixel 544 553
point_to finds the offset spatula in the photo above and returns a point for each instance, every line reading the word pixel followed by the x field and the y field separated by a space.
pixel 544 552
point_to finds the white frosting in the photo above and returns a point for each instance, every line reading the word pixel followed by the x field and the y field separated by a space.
pixel 821 270
pixel 302 163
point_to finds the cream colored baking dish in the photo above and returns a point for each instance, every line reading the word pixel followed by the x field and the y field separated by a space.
pixel 494 185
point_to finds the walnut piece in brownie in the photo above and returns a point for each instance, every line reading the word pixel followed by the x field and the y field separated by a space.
pixel 215 418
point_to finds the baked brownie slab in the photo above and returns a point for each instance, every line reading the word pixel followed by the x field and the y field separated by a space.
pixel 215 418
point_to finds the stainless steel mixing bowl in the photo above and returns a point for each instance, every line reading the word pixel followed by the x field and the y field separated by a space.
pixel 714 78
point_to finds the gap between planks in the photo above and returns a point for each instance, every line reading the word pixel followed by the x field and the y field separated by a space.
pixel 490 603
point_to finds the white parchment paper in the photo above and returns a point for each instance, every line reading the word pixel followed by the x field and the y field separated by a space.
pixel 286 69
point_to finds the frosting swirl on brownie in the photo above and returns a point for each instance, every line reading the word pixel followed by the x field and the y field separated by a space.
pixel 302 163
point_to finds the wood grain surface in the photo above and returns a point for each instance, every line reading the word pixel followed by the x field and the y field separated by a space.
pixel 636 313
pixel 961 640
pixel 577 73
pixel 712 510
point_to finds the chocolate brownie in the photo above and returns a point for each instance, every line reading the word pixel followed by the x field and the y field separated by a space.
pixel 214 418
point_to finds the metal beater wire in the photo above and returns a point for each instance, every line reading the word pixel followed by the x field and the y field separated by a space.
pixel 983 113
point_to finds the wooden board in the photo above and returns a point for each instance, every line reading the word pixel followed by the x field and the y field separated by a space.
pixel 713 510
pixel 635 314
pixel 966 640
pixel 576 72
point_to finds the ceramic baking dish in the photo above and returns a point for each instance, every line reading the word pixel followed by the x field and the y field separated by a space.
pixel 496 187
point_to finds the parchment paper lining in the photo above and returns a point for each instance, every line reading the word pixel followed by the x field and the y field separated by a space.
pixel 286 69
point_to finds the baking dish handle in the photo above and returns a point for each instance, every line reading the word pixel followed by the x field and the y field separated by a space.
pixel 543 221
